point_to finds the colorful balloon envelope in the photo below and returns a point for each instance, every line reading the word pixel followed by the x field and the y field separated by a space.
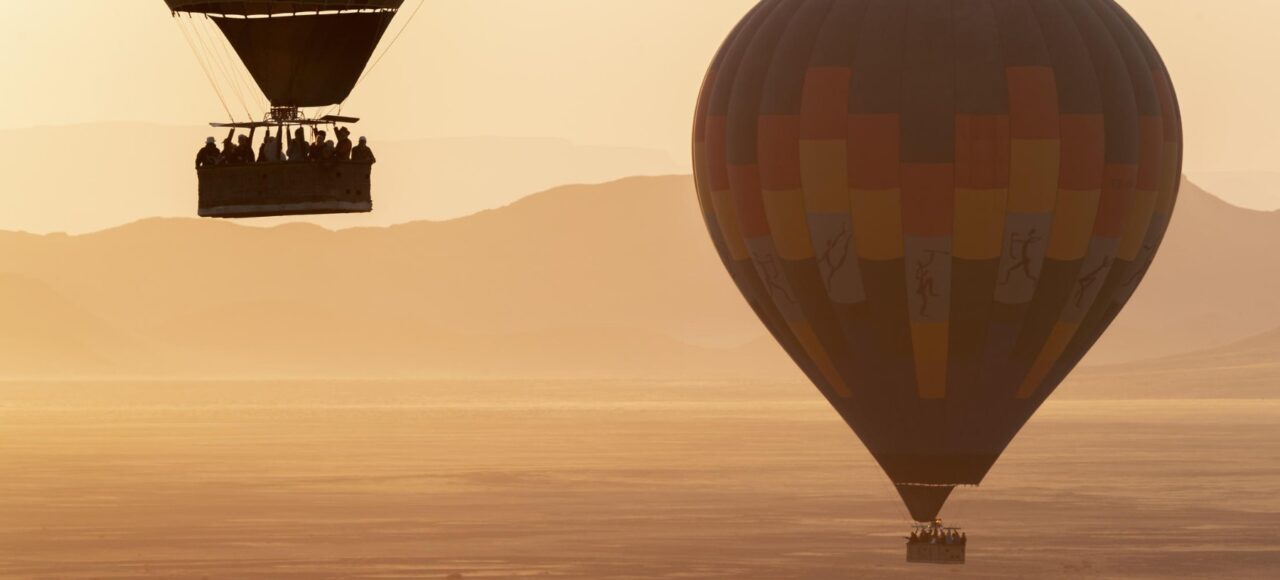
pixel 937 206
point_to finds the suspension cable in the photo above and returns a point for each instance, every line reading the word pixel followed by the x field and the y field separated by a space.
pixel 235 68
pixel 186 35
pixel 222 66
pixel 219 66
pixel 383 53
pixel 390 44
pixel 242 75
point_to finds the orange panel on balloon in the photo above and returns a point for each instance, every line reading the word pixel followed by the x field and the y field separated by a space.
pixel 877 223
pixel 1033 102
pixel 1083 139
pixel 1033 175
pixel 930 344
pixel 875 143
pixel 779 152
pixel 1137 219
pixel 727 220
pixel 928 199
pixel 1117 196
pixel 979 223
pixel 718 152
pixel 700 177
pixel 1073 216
pixel 824 173
pixel 788 223
pixel 824 109
pixel 744 182
pixel 982 151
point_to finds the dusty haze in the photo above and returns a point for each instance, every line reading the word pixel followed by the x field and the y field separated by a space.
pixel 534 288
pixel 625 72
pixel 528 361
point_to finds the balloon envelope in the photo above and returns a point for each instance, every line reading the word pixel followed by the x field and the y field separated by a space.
pixel 937 206
pixel 301 53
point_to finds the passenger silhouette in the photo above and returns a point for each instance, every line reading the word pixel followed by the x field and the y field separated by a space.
pixel 244 150
pixel 229 149
pixel 343 150
pixel 208 155
pixel 1020 249
pixel 269 152
pixel 363 153
pixel 317 147
pixel 298 150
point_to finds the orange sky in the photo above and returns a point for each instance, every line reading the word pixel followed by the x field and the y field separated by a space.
pixel 600 72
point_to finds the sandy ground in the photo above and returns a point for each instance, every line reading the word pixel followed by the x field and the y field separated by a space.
pixel 601 481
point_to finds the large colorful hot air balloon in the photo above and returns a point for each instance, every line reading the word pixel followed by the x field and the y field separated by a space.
pixel 298 54
pixel 937 206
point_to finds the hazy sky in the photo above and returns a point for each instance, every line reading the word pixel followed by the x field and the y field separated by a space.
pixel 621 72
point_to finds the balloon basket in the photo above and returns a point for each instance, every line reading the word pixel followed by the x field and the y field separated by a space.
pixel 934 543
pixel 280 189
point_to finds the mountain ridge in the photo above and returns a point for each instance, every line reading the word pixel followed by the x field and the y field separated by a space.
pixel 89 177
pixel 579 279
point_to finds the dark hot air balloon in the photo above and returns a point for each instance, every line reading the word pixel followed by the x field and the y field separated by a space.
pixel 299 54
pixel 937 206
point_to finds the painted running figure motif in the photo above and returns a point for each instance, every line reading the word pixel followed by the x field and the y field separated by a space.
pixel 1089 280
pixel 816 116
pixel 836 254
pixel 1138 273
pixel 773 276
pixel 1020 249
pixel 924 282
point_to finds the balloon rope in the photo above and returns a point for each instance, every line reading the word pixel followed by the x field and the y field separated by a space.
pixel 222 66
pixel 215 65
pixel 391 44
pixel 244 77
pixel 247 85
pixel 383 53
pixel 186 35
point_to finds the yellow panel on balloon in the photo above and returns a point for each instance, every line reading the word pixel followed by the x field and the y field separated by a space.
pixel 788 224
pixel 979 227
pixel 877 223
pixel 1072 224
pixel 930 344
pixel 1033 175
pixel 824 171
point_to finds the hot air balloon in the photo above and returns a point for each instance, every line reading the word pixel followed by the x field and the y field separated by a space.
pixel 299 54
pixel 937 207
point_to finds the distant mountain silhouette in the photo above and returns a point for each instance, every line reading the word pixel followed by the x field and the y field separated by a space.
pixel 1251 189
pixel 1248 369
pixel 83 178
pixel 617 279
pixel 1214 282
pixel 581 280
pixel 46 335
